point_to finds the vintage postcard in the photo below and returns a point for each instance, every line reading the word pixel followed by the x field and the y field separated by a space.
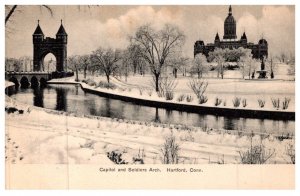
pixel 150 96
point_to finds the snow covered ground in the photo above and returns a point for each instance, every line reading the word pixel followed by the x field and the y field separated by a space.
pixel 225 89
pixel 45 136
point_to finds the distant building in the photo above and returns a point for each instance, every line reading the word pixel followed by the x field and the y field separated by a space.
pixel 230 41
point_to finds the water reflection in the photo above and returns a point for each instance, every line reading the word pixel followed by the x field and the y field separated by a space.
pixel 72 98
pixel 91 103
pixel 38 96
pixel 231 123
pixel 61 99
pixel 262 125
pixel 156 118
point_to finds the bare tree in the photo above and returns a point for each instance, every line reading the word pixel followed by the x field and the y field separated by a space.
pixel 271 66
pixel 245 64
pixel 107 60
pixel 127 60
pixel 218 55
pixel 24 62
pixel 12 64
pixel 134 56
pixel 85 62
pixel 157 46
pixel 250 66
pixel 11 9
pixel 74 64
pixel 199 65
pixel 177 62
pixel 291 69
pixel 282 57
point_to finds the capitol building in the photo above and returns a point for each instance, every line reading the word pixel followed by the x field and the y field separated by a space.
pixel 230 41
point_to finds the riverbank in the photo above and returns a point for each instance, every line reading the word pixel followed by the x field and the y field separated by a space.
pixel 145 96
pixel 41 136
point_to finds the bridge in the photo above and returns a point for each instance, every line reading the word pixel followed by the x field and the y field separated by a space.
pixel 27 79
pixel 34 78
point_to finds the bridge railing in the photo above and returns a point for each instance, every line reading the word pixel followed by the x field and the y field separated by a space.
pixel 27 72
pixel 51 75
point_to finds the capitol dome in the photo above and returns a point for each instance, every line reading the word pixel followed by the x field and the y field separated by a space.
pixel 230 19
pixel 229 26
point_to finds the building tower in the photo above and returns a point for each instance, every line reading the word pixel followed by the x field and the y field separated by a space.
pixel 37 39
pixel 217 40
pixel 62 40
pixel 229 26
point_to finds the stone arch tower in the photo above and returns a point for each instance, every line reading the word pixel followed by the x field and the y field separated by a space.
pixel 43 46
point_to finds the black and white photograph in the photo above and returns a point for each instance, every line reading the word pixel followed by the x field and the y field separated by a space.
pixel 159 85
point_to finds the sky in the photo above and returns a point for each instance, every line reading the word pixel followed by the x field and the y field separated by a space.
pixel 109 26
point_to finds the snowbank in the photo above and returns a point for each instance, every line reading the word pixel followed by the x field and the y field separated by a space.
pixel 44 136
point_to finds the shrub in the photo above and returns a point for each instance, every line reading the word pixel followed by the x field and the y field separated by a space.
pixel 169 95
pixel 198 86
pixel 203 99
pixel 170 151
pixel 139 159
pixel 244 102
pixel 11 110
pixel 141 90
pixel 218 101
pixel 189 98
pixel 166 85
pixel 276 103
pixel 285 103
pixel 256 154
pixel 261 103
pixel 181 98
pixel 103 84
pixel 116 157
pixel 89 82
pixel 290 151
pixel 236 102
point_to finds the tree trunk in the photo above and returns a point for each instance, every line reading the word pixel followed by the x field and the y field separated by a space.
pixel 107 77
pixel 222 71
pixel 84 72
pixel 134 69
pixel 156 82
pixel 76 77
pixel 10 13
pixel 175 72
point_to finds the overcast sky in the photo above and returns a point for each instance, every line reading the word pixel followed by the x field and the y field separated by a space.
pixel 109 26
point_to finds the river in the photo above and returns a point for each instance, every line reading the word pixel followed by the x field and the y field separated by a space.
pixel 71 98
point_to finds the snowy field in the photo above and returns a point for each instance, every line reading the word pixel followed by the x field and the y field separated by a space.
pixel 226 89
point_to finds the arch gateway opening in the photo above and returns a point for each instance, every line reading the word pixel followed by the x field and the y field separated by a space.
pixel 49 62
